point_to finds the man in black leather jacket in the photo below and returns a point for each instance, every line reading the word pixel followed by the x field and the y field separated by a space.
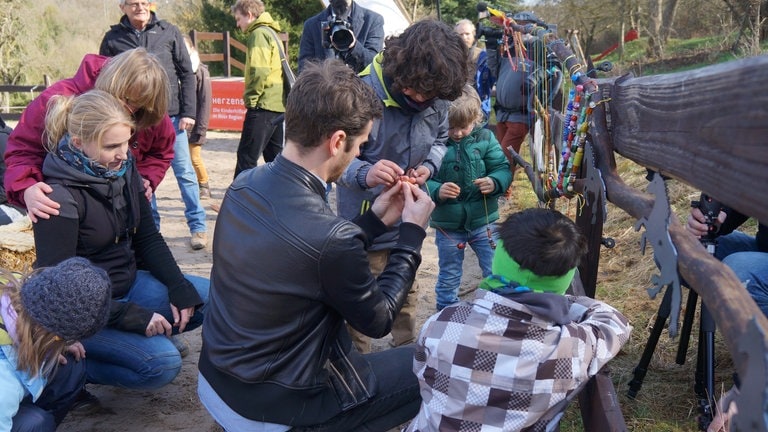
pixel 288 273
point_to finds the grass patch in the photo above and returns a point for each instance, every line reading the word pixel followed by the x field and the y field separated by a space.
pixel 666 401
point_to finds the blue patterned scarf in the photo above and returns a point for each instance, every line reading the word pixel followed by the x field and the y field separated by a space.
pixel 79 161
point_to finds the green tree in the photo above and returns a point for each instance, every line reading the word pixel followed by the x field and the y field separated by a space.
pixel 216 16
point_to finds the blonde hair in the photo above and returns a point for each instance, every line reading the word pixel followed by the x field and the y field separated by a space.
pixel 87 116
pixel 466 109
pixel 137 78
pixel 37 349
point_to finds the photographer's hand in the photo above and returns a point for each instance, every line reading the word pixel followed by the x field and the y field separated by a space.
pixel 697 223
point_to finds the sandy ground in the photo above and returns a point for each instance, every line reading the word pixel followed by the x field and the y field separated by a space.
pixel 176 407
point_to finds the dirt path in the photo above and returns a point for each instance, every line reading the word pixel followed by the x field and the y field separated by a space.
pixel 176 407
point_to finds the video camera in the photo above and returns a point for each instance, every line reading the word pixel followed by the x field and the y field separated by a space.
pixel 710 208
pixel 337 33
pixel 495 33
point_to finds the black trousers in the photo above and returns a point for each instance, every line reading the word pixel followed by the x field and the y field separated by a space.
pixel 259 136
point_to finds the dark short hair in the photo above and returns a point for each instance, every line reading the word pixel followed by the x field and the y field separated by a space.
pixel 543 241
pixel 429 58
pixel 328 96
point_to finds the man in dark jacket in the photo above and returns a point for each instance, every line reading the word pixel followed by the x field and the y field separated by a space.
pixel 139 27
pixel 327 35
pixel 276 354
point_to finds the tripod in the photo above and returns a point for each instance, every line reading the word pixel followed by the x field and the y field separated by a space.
pixel 704 378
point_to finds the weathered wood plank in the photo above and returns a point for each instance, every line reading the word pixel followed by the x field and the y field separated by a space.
pixel 707 128
pixel 733 309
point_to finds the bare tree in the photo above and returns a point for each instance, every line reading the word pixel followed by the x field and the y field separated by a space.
pixel 661 17
pixel 11 66
pixel 748 17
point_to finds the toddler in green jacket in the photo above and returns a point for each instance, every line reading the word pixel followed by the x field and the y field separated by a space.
pixel 474 173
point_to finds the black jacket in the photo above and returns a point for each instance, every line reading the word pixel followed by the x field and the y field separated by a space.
pixel 164 40
pixel 287 272
pixel 368 27
pixel 110 223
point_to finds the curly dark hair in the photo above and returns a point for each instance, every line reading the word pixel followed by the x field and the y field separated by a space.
pixel 428 58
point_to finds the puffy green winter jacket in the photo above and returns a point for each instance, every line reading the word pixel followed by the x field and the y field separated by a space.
pixel 476 155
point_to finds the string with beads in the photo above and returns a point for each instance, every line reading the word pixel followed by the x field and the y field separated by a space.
pixel 558 181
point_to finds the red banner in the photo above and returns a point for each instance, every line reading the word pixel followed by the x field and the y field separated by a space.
pixel 227 109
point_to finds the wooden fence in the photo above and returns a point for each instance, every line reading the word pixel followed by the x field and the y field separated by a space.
pixel 706 129
pixel 9 112
pixel 228 43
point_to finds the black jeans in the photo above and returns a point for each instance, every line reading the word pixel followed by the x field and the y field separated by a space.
pixel 259 136
pixel 397 399
pixel 54 403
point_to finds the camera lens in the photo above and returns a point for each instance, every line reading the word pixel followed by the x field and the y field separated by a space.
pixel 342 37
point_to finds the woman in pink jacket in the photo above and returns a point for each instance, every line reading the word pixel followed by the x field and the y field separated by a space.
pixel 136 78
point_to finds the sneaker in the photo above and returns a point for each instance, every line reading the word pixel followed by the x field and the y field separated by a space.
pixel 205 191
pixel 199 240
pixel 181 344
pixel 85 403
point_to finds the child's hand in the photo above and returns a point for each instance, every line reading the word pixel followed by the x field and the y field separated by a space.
pixel 485 184
pixel 449 190
pixel 420 174
pixel 76 349
pixel 383 172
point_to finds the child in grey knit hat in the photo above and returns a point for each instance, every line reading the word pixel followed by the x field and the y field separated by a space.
pixel 43 315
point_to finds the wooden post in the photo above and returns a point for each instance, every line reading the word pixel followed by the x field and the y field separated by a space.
pixel 227 55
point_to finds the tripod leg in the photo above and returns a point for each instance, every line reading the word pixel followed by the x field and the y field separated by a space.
pixel 685 332
pixel 705 368
pixel 638 375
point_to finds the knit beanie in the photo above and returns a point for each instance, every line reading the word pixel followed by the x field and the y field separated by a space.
pixel 70 300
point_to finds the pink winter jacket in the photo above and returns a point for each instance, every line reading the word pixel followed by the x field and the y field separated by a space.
pixel 24 153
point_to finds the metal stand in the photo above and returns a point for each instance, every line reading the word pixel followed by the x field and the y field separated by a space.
pixel 704 379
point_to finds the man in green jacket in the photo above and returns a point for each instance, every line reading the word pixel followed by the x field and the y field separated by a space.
pixel 263 96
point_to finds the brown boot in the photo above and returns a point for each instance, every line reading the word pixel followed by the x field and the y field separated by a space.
pixel 205 191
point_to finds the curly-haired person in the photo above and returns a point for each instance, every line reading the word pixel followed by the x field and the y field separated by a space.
pixel 416 77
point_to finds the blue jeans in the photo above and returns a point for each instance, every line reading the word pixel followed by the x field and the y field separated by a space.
pixel 52 406
pixel 187 180
pixel 739 252
pixel 131 360
pixel 451 259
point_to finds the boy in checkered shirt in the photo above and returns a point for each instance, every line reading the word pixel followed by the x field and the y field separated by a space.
pixel 512 358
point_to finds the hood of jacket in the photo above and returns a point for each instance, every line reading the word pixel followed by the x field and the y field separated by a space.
pixel 90 67
pixel 265 19
pixel 381 89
